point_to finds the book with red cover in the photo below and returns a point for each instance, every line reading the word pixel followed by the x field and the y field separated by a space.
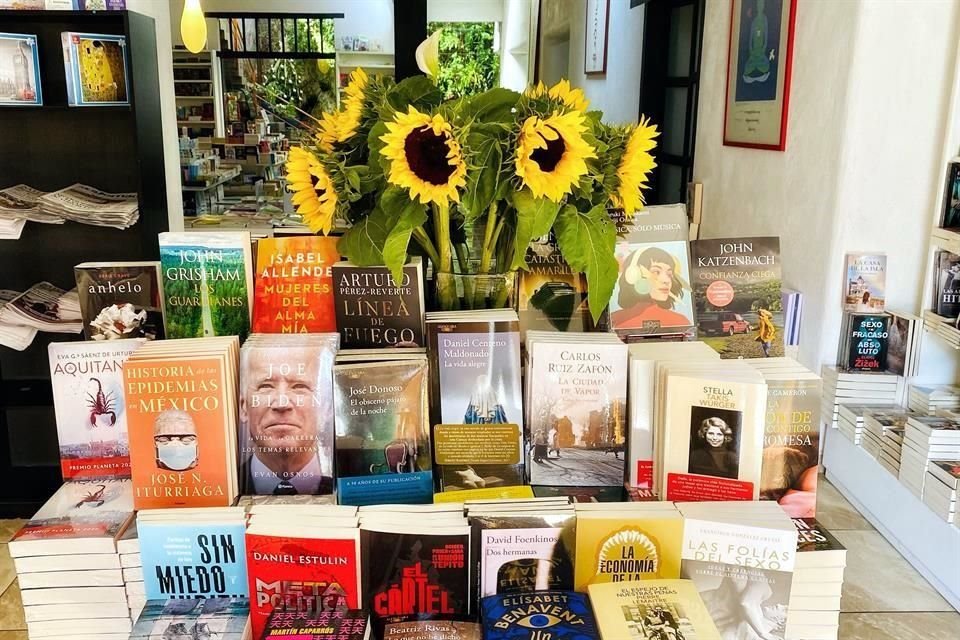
pixel 302 574
pixel 293 290
pixel 341 624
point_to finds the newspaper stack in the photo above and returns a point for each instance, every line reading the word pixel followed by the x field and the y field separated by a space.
pixel 21 202
pixel 14 336
pixel 84 204
pixel 38 307
pixel 11 228
pixel 68 306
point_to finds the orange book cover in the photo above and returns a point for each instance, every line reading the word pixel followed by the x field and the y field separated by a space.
pixel 293 290
pixel 177 421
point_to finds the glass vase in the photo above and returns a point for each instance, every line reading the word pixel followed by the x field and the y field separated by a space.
pixel 458 291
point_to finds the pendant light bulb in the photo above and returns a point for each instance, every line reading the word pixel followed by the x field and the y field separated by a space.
pixel 193 26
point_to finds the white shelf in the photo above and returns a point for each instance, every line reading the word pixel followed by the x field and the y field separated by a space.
pixel 190 65
pixel 366 66
pixel 929 543
pixel 192 81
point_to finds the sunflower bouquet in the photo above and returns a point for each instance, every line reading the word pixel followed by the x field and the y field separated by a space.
pixel 470 183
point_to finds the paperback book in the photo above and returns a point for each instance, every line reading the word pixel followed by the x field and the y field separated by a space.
pixel 865 284
pixel 294 285
pixel 737 296
pixel 338 624
pixel 653 610
pixel 946 284
pixel 90 407
pixel 550 615
pixel 383 451
pixel 950 216
pixel 211 618
pixel 652 296
pixel 286 414
pixel 373 310
pixel 120 300
pixel 207 283
pixel 432 630
pixel 551 296
pixel 865 343
pixel 202 555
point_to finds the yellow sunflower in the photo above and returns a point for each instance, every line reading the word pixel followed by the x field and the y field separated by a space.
pixel 635 167
pixel 425 158
pixel 561 92
pixel 328 132
pixel 551 154
pixel 352 104
pixel 313 191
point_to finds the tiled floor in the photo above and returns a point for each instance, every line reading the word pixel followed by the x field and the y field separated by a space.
pixel 884 598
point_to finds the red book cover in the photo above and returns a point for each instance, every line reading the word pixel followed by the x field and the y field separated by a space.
pixel 301 574
pixel 293 290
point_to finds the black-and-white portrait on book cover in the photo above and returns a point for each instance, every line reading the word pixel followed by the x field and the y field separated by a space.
pixel 715 442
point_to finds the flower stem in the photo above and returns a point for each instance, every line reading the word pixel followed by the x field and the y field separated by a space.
pixel 441 223
pixel 425 243
pixel 488 243
pixel 495 239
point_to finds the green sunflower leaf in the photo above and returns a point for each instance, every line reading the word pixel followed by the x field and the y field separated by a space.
pixel 482 180
pixel 587 241
pixel 363 243
pixel 495 105
pixel 395 247
pixel 377 163
pixel 394 200
pixel 535 217
pixel 418 91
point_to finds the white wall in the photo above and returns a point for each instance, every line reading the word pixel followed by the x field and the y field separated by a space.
pixel 515 44
pixel 465 11
pixel 616 93
pixel 861 166
pixel 160 12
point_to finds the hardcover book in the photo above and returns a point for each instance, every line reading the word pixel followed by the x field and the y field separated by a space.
pixel 383 450
pixel 120 300
pixel 737 295
pixel 207 282
pixel 415 574
pixel 337 624
pixel 655 610
pixel 624 547
pixel 302 575
pixel 213 618
pixel 20 64
pixel 577 399
pixel 372 310
pixel 947 284
pixel 551 296
pixel 183 558
pixel 96 68
pixel 90 407
pixel 867 339
pixel 433 630
pixel 866 282
pixel 552 615
pixel 286 414
pixel 294 286
pixel 523 553
pixel 652 295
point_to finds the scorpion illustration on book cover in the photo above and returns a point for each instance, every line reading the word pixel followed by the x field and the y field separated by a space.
pixel 101 404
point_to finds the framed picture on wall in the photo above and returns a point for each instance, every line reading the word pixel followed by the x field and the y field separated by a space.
pixel 758 73
pixel 595 37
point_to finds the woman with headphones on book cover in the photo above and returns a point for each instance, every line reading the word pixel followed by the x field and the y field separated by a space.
pixel 650 287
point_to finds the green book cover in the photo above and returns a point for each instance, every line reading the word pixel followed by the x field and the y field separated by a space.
pixel 207 280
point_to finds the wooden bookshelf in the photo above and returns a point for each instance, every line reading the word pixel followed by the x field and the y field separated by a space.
pixel 118 149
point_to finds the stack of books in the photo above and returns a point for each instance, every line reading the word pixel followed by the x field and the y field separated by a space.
pixel 926 438
pixel 850 419
pixel 67 561
pixel 21 202
pixel 128 546
pixel 883 431
pixel 843 387
pixel 940 488
pixel 929 400
pixel 87 205
pixel 814 612
pixel 14 336
pixel 195 618
pixel 39 307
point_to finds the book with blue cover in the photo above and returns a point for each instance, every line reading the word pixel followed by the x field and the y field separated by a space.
pixel 193 553
pixel 557 615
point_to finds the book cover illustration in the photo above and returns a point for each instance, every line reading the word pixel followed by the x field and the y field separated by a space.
pixel 88 498
pixel 623 548
pixel 106 524
pixel 310 576
pixel 120 301
pixel 186 560
pixel 89 403
pixel 206 284
pixel 433 630
pixel 96 69
pixel 415 576
pixel 737 296
pixel 654 610
pixel 950 216
pixel 211 618
pixel 19 70
pixel 947 284
pixel 372 310
pixel 577 419
pixel 866 282
pixel 383 433
pixel 337 624
pixel 286 430
pixel 812 536
pixel 520 554
pixel 551 296
pixel 293 290
pixel 791 445
pixel 869 335
pixel 177 415
pixel 652 296
pixel 550 615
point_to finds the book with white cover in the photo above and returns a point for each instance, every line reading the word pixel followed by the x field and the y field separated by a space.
pixel 39 613
pixel 94 578
pixel 86 562
pixel 72 628
pixel 72 595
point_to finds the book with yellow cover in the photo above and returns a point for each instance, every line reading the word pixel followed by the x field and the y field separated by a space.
pixel 293 291
pixel 620 546
pixel 651 609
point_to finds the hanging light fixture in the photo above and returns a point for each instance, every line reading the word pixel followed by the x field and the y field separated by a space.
pixel 193 26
